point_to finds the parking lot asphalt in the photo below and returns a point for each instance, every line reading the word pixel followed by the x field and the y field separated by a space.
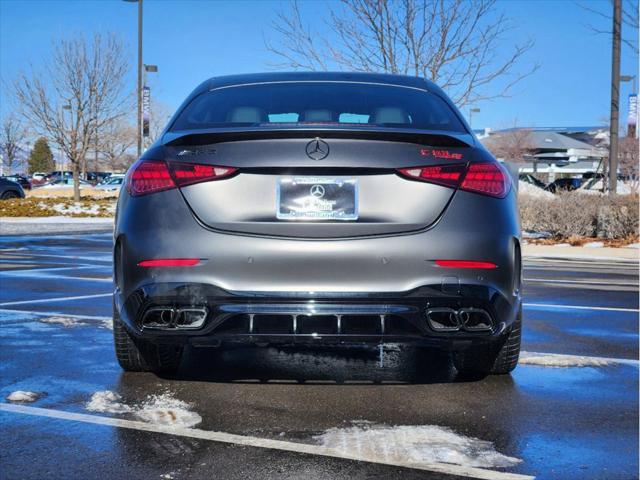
pixel 570 409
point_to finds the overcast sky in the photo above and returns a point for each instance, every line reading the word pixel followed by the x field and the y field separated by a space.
pixel 194 40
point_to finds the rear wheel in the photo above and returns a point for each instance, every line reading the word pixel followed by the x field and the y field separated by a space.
pixel 9 194
pixel 485 361
pixel 136 355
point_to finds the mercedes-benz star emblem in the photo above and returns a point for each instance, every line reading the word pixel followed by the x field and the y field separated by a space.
pixel 317 149
pixel 317 191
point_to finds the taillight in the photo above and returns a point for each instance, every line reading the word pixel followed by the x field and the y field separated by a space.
pixel 150 176
pixel 447 175
pixel 485 178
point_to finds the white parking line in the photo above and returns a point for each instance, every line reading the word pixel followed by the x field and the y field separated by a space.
pixel 577 359
pixel 56 314
pixel 586 282
pixel 579 307
pixel 248 441
pixel 57 299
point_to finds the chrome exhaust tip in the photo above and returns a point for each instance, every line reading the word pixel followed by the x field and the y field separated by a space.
pixel 443 319
pixel 168 318
pixel 475 319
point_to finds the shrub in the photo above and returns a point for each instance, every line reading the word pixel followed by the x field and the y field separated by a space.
pixel 572 213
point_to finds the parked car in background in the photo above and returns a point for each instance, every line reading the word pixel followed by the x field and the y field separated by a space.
pixel 66 183
pixel 564 184
pixel 23 181
pixel 10 189
pixel 528 178
pixel 111 184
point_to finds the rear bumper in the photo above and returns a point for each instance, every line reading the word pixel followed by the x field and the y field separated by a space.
pixel 304 318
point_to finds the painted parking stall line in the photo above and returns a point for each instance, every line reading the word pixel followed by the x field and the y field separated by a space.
pixel 56 299
pixel 249 441
pixel 578 307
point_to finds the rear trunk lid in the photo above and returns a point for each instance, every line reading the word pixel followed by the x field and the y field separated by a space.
pixel 353 190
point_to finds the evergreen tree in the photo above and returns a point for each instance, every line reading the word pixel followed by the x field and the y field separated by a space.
pixel 41 158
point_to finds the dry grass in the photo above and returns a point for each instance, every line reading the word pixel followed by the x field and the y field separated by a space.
pixel 53 207
pixel 574 216
pixel 68 193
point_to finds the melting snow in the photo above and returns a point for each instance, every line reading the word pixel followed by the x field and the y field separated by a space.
pixel 23 397
pixel 167 410
pixel 64 321
pixel 594 244
pixel 158 409
pixel 525 188
pixel 558 360
pixel 107 402
pixel 424 444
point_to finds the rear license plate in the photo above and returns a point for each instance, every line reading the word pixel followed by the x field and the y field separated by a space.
pixel 317 198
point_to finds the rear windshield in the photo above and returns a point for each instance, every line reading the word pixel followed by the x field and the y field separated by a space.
pixel 318 103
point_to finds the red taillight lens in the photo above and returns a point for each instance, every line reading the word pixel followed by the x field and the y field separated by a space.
pixel 170 262
pixel 447 175
pixel 150 176
pixel 190 173
pixel 487 178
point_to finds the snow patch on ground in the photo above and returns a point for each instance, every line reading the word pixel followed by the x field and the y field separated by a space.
pixel 162 409
pixel 525 188
pixel 22 396
pixel 166 410
pixel 593 244
pixel 76 208
pixel 558 360
pixel 422 444
pixel 64 321
pixel 107 402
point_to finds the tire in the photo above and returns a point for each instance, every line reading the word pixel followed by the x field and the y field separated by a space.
pixel 484 361
pixel 139 356
pixel 9 194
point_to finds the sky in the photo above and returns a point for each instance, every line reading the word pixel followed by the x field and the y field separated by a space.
pixel 191 41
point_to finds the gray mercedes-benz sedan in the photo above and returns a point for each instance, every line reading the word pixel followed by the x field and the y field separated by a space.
pixel 317 208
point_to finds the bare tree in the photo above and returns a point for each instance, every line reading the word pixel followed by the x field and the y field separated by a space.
pixel 512 145
pixel 455 43
pixel 629 19
pixel 79 90
pixel 628 160
pixel 159 115
pixel 12 134
pixel 115 141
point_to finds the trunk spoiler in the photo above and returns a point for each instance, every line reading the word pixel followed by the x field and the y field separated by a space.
pixel 432 138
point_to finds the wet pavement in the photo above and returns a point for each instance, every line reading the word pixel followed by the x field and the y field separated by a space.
pixel 327 413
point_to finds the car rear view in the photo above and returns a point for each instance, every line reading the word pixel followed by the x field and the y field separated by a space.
pixel 313 209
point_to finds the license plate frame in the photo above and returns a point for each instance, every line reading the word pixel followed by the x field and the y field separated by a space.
pixel 315 198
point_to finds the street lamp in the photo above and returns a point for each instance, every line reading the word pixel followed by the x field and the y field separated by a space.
pixel 629 78
pixel 139 125
pixel 471 112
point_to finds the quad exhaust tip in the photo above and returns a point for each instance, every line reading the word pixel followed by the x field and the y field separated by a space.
pixel 169 318
pixel 444 319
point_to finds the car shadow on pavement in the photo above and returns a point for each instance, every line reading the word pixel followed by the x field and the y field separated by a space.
pixel 390 364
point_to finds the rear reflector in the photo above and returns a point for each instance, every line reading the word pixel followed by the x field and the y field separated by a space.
pixel 170 262
pixel 465 264
pixel 150 176
pixel 485 178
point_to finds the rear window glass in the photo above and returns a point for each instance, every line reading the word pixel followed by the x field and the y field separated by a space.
pixel 318 103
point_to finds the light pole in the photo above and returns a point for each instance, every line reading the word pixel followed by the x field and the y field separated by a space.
pixel 471 112
pixel 615 97
pixel 139 125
